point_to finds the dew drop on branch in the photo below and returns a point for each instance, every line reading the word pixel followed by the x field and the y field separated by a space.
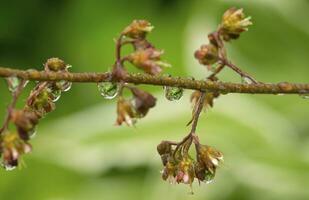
pixel 65 85
pixel 173 93
pixel 246 80
pixel 13 83
pixel 108 90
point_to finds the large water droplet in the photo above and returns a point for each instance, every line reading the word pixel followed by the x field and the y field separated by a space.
pixel 209 177
pixel 108 90
pixel 173 93
pixel 246 80
pixel 13 83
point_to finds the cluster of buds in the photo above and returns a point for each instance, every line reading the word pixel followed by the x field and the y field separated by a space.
pixel 145 56
pixel 43 97
pixel 179 167
pixel 40 102
pixel 234 22
pixel 12 146
pixel 128 111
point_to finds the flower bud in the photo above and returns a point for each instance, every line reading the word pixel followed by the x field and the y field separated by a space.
pixel 12 147
pixel 55 64
pixel 210 157
pixel 148 60
pixel 234 22
pixel 138 29
pixel 164 148
pixel 207 54
pixel 25 122
pixel 125 112
pixel 143 101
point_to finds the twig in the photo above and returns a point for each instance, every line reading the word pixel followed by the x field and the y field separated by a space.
pixel 186 83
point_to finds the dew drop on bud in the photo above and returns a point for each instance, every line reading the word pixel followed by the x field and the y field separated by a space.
pixel 108 90
pixel 173 93
pixel 64 85
pixel 246 80
pixel 13 83
pixel 209 177
pixel 55 95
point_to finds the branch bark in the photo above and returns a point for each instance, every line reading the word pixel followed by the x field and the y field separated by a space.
pixel 137 78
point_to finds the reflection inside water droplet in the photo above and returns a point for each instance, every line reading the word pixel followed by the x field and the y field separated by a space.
pixel 173 93
pixel 108 90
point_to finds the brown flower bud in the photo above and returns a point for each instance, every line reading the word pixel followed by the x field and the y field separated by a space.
pixel 207 54
pixel 25 122
pixel 12 147
pixel 138 29
pixel 164 148
pixel 234 22
pixel 125 112
pixel 55 64
pixel 42 103
pixel 148 60
pixel 143 101
pixel 185 171
pixel 210 157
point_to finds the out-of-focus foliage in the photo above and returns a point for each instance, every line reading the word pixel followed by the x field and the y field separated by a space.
pixel 78 153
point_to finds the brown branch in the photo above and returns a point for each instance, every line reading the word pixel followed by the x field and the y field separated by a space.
pixel 186 83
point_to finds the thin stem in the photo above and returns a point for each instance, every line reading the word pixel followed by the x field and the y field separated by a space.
pixel 238 70
pixel 12 105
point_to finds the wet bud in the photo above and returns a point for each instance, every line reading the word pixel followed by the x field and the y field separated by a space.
pixel 125 112
pixel 164 148
pixel 12 147
pixel 169 172
pixel 143 101
pixel 42 103
pixel 185 171
pixel 55 64
pixel 25 122
pixel 148 60
pixel 210 157
pixel 138 29
pixel 207 54
pixel 234 22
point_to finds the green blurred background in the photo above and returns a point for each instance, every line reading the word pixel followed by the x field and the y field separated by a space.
pixel 79 154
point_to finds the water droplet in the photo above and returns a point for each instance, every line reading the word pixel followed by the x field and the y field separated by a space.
pixel 280 94
pixel 209 177
pixel 32 133
pixel 173 93
pixel 55 95
pixel 13 83
pixel 108 90
pixel 8 167
pixel 304 96
pixel 246 80
pixel 64 86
